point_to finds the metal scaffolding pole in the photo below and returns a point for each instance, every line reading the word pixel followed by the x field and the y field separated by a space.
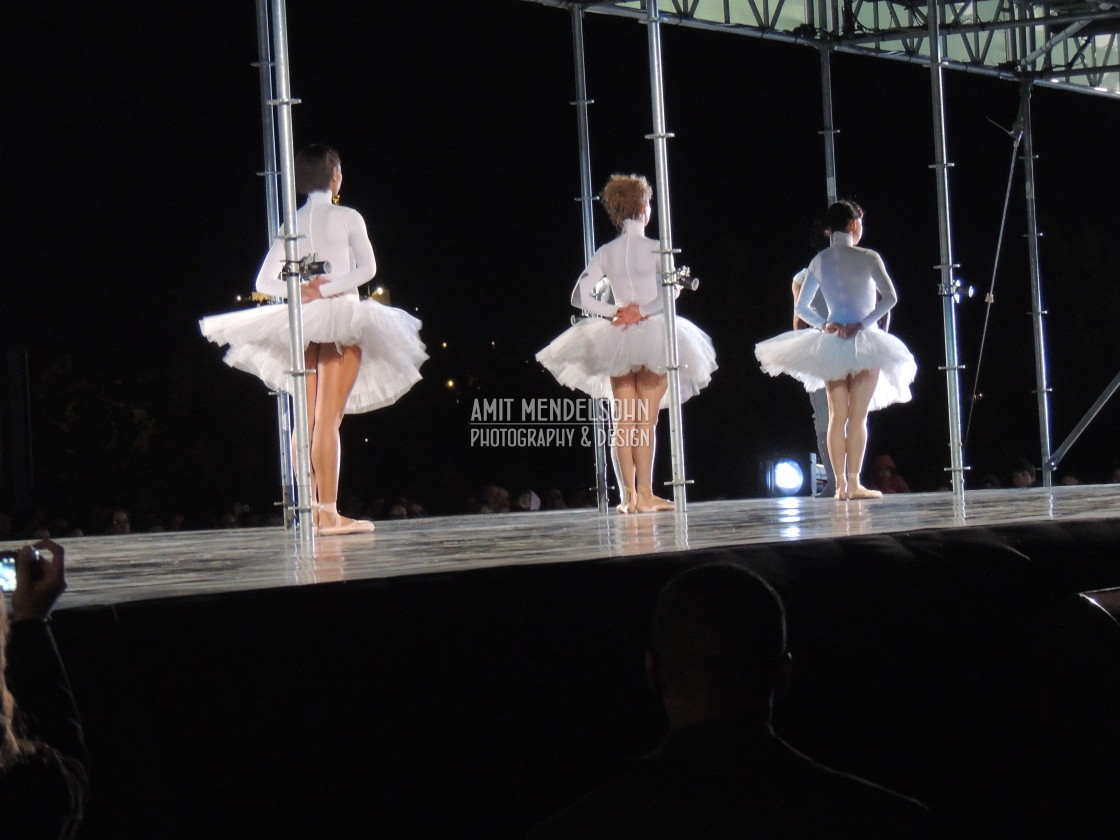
pixel 284 102
pixel 272 215
pixel 586 200
pixel 268 123
pixel 828 132
pixel 668 270
pixel 947 286
pixel 1041 374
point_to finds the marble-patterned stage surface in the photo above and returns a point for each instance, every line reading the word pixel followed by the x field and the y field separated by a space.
pixel 111 570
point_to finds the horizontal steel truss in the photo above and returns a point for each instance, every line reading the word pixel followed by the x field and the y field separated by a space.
pixel 1072 45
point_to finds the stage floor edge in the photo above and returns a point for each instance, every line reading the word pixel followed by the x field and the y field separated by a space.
pixel 109 570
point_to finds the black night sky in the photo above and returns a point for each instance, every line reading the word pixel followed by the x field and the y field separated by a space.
pixel 132 141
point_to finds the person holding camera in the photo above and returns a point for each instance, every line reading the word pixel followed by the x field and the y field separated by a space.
pixel 43 777
pixel 359 355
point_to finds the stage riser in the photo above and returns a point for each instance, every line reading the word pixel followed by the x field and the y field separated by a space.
pixel 471 704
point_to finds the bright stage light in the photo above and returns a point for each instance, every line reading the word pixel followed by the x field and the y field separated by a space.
pixel 784 477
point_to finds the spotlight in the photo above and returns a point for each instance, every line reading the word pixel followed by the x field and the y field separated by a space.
pixel 784 477
pixel 960 289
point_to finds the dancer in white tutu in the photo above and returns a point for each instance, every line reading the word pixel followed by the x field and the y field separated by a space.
pixel 620 354
pixel 360 354
pixel 861 366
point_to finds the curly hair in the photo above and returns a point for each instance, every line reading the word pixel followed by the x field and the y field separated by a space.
pixel 624 196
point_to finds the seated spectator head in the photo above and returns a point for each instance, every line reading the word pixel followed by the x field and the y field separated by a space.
pixel 883 475
pixel 553 499
pixel 526 500
pixel 990 481
pixel 718 646
pixel 495 499
pixel 1022 473
pixel 884 464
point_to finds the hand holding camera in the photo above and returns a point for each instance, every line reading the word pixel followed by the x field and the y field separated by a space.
pixel 40 579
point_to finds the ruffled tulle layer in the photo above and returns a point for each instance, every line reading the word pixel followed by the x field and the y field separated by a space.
pixel 814 358
pixel 585 356
pixel 389 338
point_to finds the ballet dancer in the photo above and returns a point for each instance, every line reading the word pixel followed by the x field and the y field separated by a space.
pixel 619 352
pixel 862 367
pixel 359 355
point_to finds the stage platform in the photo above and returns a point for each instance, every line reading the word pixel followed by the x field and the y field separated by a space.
pixel 110 570
pixel 466 676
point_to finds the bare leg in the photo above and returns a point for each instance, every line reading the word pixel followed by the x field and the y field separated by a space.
pixel 625 390
pixel 837 423
pixel 651 388
pixel 861 387
pixel 337 373
pixel 311 365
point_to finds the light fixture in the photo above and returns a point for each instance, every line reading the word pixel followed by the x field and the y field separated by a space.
pixel 784 477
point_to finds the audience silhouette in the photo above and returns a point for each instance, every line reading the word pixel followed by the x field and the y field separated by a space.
pixel 717 659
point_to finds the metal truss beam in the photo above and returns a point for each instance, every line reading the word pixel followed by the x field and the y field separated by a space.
pixel 1070 45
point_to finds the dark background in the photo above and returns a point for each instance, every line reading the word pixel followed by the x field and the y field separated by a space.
pixel 132 142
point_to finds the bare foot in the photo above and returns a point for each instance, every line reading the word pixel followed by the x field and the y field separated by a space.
pixel 337 525
pixel 627 505
pixel 858 491
pixel 649 503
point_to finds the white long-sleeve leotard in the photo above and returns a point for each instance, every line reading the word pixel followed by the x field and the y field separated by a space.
pixel 848 277
pixel 589 353
pixel 632 263
pixel 259 338
pixel 338 235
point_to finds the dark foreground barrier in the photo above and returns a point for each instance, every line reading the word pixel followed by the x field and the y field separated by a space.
pixel 957 666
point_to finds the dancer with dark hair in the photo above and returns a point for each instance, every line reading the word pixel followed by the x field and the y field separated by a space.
pixel 862 367
pixel 360 354
pixel 620 354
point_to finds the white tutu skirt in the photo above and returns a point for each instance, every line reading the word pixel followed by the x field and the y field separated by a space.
pixel 813 358
pixel 389 338
pixel 588 354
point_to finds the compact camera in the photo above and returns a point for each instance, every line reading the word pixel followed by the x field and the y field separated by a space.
pixel 8 568
pixel 311 267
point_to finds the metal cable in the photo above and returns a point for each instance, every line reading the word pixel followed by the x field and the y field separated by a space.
pixel 1016 133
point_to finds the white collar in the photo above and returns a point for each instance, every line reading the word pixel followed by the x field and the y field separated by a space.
pixel 842 238
pixel 320 197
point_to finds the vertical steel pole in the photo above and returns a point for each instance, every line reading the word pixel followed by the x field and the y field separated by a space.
pixel 668 270
pixel 828 132
pixel 1042 378
pixel 284 103
pixel 268 122
pixel 272 216
pixel 947 287
pixel 585 199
